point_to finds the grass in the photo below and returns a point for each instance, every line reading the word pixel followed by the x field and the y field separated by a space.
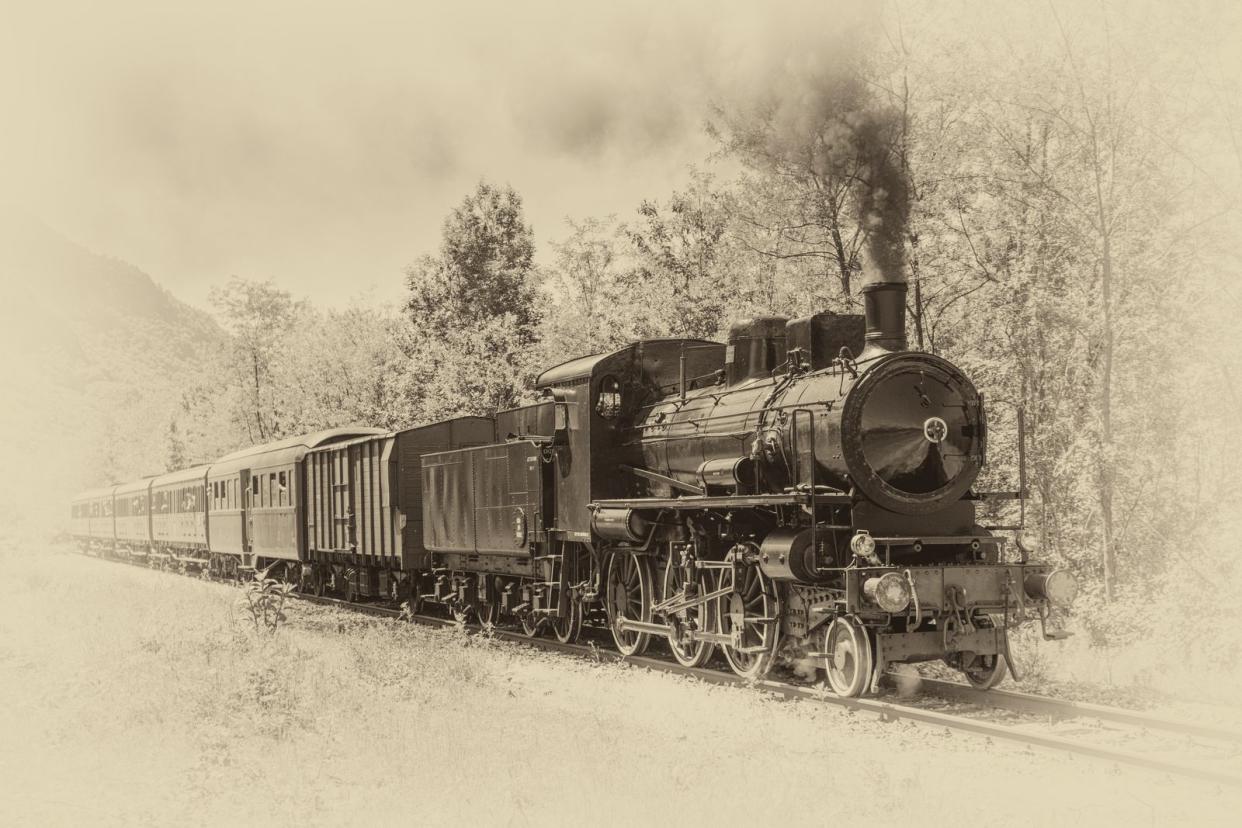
pixel 129 697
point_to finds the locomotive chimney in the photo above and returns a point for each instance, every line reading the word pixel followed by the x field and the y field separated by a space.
pixel 884 304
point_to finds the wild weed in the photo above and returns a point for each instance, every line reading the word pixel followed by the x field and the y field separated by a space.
pixel 263 599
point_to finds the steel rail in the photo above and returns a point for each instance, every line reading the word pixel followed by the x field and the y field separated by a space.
pixel 1062 709
pixel 893 711
pixel 884 710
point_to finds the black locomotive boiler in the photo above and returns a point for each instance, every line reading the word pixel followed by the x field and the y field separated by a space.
pixel 804 490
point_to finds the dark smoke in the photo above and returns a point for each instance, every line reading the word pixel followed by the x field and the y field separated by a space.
pixel 822 123
pixel 883 192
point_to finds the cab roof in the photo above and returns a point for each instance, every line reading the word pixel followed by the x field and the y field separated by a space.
pixel 576 369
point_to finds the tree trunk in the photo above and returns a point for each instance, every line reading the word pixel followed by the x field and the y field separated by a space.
pixel 1106 420
pixel 843 263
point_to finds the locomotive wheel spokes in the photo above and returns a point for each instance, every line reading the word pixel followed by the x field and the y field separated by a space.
pixel 849 660
pixel 531 624
pixel 488 614
pixel 568 628
pixel 690 653
pixel 629 597
pixel 751 608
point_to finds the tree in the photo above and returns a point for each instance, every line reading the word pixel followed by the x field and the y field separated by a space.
pixel 259 318
pixel 681 281
pixel 484 269
pixel 177 456
pixel 473 307
pixel 590 307
pixel 828 179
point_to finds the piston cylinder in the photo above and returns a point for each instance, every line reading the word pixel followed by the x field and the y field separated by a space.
pixel 624 525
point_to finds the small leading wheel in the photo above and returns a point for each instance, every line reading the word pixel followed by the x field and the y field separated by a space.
pixel 629 597
pixel 849 660
pixel 984 671
pixel 751 609
pixel 568 628
pixel 699 616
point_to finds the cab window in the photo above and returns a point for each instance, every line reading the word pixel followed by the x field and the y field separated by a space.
pixel 608 403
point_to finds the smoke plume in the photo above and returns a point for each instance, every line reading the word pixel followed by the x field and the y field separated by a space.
pixel 883 192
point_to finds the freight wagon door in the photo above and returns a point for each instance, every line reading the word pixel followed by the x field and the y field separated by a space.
pixel 329 515
pixel 371 527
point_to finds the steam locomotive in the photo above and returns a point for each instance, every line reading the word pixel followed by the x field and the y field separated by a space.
pixel 803 491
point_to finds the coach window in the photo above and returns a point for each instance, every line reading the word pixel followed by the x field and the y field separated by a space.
pixel 284 489
pixel 608 404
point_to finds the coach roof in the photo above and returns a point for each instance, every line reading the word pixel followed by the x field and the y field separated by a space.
pixel 135 486
pixel 196 474
pixel 289 450
pixel 94 494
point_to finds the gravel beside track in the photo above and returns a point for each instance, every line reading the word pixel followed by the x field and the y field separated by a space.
pixel 1111 734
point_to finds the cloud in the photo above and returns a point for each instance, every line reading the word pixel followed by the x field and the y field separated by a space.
pixel 322 146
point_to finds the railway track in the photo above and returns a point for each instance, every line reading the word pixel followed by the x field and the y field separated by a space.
pixel 1091 730
pixel 1112 734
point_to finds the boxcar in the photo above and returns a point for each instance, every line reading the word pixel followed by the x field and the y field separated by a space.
pixel 364 501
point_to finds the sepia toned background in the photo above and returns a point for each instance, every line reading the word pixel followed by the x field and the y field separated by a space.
pixel 229 223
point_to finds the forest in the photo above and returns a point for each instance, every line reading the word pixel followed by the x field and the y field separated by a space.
pixel 1066 205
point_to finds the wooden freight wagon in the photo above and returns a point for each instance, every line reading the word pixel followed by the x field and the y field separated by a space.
pixel 364 516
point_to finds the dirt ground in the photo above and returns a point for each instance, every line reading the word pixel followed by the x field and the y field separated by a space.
pixel 131 697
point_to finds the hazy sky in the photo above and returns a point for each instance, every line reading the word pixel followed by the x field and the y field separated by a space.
pixel 322 146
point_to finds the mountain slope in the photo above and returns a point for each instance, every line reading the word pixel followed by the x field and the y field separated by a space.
pixel 93 357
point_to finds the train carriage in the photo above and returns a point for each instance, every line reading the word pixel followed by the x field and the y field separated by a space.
pixel 261 490
pixel 133 518
pixel 178 504
pixel 364 514
pixel 94 526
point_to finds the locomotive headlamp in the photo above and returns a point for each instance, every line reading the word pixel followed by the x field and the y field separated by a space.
pixel 862 544
pixel 1028 542
pixel 891 591
pixel 1057 586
